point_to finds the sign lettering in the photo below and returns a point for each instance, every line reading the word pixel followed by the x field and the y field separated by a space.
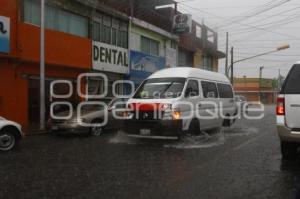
pixel 4 34
pixel 110 58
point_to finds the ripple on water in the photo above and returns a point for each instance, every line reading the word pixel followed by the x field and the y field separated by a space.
pixel 196 142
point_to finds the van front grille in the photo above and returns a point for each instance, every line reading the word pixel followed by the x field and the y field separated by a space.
pixel 148 115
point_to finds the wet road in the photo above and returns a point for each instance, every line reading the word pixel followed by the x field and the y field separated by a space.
pixel 243 161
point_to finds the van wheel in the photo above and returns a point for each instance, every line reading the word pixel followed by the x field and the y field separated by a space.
pixel 194 128
pixel 288 150
pixel 7 140
pixel 96 130
pixel 228 122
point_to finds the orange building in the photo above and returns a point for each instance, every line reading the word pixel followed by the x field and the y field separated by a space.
pixel 255 90
pixel 66 56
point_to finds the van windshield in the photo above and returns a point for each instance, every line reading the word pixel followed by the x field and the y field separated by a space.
pixel 160 88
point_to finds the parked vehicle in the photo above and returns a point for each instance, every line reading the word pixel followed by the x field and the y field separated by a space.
pixel 91 114
pixel 168 104
pixel 241 102
pixel 288 113
pixel 10 134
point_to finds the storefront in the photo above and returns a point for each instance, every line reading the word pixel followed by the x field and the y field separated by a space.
pixel 110 53
pixel 20 90
pixel 151 49
pixel 20 59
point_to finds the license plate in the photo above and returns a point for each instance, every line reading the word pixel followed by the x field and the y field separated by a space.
pixel 54 127
pixel 145 131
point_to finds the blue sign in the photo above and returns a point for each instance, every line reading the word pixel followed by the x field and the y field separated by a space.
pixel 4 34
pixel 143 65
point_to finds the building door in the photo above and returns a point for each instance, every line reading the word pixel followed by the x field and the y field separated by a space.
pixel 34 100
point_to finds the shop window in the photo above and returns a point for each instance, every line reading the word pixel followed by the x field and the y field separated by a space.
pixel 149 46
pixel 63 22
pixel 198 32
pixel 106 30
pixel 106 34
pixel 78 25
pixel 173 44
pixel 155 48
pixel 31 12
pixel 210 36
pixel 96 31
pixel 208 63
pixel 56 19
pixel 145 45
pixel 113 31
pixel 51 18
pixel 123 39
pixel 114 36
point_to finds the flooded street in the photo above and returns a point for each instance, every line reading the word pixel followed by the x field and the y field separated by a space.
pixel 243 161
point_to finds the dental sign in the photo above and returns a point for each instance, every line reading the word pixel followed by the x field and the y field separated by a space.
pixel 4 34
pixel 110 58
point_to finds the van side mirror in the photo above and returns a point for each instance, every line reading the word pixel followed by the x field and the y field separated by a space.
pixel 111 108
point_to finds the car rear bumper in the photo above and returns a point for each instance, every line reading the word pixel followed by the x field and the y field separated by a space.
pixel 287 134
pixel 160 129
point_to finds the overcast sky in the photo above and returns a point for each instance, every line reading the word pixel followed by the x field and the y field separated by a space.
pixel 254 26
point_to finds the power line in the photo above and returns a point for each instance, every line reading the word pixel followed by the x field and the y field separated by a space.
pixel 284 21
pixel 260 9
pixel 278 14
pixel 255 27
pixel 271 25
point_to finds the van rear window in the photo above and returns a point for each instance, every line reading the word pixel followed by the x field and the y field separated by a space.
pixel 292 82
pixel 225 91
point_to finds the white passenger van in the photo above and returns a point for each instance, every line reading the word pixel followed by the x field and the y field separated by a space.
pixel 175 101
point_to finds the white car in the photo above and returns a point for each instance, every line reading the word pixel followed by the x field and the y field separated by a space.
pixel 10 134
pixel 241 102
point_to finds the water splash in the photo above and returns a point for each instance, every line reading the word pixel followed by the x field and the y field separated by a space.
pixel 197 142
pixel 240 131
pixel 121 138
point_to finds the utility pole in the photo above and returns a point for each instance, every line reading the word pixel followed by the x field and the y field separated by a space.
pixel 279 80
pixel 231 67
pixel 260 83
pixel 42 67
pixel 226 58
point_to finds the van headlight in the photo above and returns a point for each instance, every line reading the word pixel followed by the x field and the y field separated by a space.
pixel 176 115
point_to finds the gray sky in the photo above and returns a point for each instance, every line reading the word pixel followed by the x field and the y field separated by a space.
pixel 252 33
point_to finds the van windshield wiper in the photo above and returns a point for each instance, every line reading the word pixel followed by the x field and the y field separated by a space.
pixel 167 88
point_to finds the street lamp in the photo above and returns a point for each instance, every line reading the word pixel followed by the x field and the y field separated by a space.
pixel 283 47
